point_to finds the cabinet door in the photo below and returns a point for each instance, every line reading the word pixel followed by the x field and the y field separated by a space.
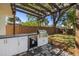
pixel 2 47
pixel 22 44
pixel 42 41
pixel 11 46
pixel 45 40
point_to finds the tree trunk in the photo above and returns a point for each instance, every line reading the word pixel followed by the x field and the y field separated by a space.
pixel 54 29
pixel 55 20
pixel 54 25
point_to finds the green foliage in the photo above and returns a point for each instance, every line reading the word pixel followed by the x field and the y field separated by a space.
pixel 30 17
pixel 71 16
pixel 70 20
pixel 45 21
pixel 12 19
pixel 35 22
pixel 30 23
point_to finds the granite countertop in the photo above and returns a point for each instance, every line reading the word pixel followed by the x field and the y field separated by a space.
pixel 17 35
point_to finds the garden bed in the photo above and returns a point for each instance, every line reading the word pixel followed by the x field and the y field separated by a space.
pixel 66 42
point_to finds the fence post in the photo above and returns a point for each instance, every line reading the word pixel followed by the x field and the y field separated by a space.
pixel 14 13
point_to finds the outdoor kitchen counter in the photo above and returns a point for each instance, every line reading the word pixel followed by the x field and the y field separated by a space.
pixel 13 45
pixel 17 35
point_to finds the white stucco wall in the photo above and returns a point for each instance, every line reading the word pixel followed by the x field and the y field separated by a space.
pixel 5 11
pixel 2 25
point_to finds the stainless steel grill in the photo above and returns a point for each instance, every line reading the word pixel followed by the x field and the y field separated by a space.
pixel 42 37
pixel 43 33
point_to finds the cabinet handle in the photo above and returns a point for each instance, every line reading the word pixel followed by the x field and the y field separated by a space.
pixel 18 43
pixel 4 41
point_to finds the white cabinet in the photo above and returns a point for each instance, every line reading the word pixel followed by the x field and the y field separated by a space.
pixel 22 44
pixel 12 46
pixel 17 45
pixel 42 41
pixel 2 47
pixel 8 46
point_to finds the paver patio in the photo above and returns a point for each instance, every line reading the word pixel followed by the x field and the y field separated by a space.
pixel 45 50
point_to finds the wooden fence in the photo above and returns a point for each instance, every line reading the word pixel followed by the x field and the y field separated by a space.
pixel 19 29
pixel 26 29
